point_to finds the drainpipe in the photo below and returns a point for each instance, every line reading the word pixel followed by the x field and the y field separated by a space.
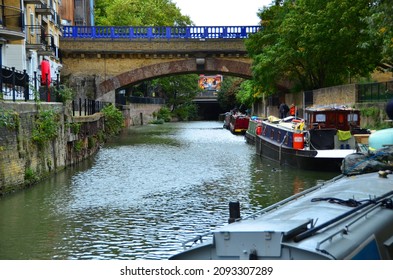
pixel 92 12
pixel 2 41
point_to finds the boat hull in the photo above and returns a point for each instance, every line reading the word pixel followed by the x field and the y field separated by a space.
pixel 304 159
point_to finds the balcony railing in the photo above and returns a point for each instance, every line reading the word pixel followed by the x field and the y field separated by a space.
pixel 35 37
pixel 39 2
pixel 44 10
pixel 11 22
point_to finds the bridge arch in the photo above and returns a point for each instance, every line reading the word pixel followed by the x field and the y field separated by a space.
pixel 196 65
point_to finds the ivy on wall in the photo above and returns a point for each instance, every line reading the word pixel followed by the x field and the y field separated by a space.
pixel 45 127
pixel 9 119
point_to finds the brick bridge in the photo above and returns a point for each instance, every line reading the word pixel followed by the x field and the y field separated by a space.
pixel 99 60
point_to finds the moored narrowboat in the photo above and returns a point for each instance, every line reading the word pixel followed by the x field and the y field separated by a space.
pixel 238 123
pixel 254 127
pixel 348 217
pixel 320 141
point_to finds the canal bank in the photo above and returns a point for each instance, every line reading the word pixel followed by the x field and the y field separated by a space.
pixel 40 139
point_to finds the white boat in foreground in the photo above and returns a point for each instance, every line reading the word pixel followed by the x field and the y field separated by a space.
pixel 348 217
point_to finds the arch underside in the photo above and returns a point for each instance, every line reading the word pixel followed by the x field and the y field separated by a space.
pixel 178 67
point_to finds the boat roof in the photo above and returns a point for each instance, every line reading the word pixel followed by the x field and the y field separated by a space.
pixel 312 207
pixel 331 107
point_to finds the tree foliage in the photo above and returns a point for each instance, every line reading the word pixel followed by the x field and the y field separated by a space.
pixel 380 25
pixel 179 92
pixel 139 13
pixel 226 96
pixel 313 43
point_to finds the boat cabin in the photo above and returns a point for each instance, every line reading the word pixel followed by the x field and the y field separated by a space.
pixel 329 117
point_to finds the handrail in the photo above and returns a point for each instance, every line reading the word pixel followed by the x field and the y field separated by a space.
pixel 158 32
pixel 346 228
pixel 312 231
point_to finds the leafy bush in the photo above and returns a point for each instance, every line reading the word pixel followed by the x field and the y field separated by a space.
pixel 64 94
pixel 186 112
pixel 30 176
pixel 114 120
pixel 46 127
pixel 164 114
pixel 9 119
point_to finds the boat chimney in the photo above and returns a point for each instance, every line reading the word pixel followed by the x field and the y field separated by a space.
pixel 234 211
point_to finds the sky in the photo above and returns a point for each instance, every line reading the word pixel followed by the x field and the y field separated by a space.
pixel 222 12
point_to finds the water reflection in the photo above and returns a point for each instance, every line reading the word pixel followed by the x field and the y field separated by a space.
pixel 143 195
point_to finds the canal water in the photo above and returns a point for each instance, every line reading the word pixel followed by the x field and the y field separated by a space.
pixel 143 194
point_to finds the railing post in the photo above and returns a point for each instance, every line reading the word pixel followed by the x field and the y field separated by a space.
pixel 1 66
pixel 26 79
pixel 149 33
pixel 80 106
pixel 188 32
pixel 74 32
pixel 47 88
pixel 85 107
pixel 13 84
pixel 168 33
pixel 93 32
pixel 58 81
pixel 131 32
pixel 243 32
pixel 112 33
pixel 35 83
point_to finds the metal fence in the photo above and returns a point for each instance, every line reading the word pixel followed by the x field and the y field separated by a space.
pixel 86 107
pixel 375 91
pixel 14 84
pixel 145 100
pixel 159 32
pixel 18 85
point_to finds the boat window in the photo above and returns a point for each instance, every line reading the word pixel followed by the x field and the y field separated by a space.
pixel 272 134
pixel 340 118
pixel 320 118
pixel 353 117
pixel 279 136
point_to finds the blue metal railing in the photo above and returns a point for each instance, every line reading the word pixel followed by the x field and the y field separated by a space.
pixel 160 32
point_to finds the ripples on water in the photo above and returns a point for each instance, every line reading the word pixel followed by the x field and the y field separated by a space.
pixel 152 189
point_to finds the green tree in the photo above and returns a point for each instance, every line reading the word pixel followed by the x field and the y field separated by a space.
pixel 247 94
pixel 313 44
pixel 226 96
pixel 380 22
pixel 179 92
pixel 139 13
